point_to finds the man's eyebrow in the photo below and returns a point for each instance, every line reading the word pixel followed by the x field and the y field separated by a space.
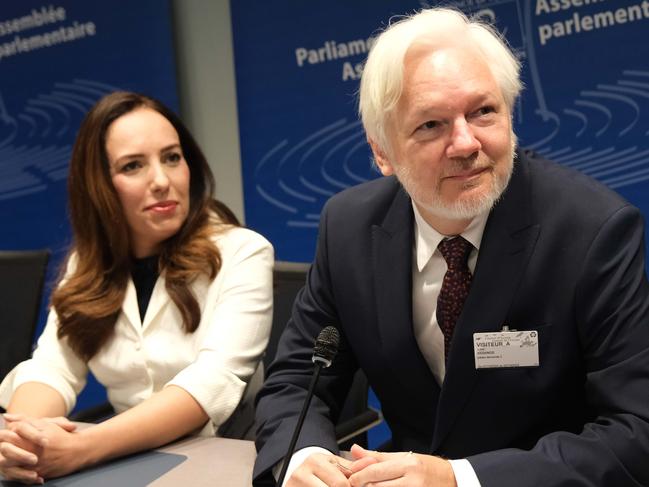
pixel 482 96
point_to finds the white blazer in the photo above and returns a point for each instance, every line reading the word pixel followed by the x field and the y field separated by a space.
pixel 213 364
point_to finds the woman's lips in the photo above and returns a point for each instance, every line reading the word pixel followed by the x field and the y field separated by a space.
pixel 163 207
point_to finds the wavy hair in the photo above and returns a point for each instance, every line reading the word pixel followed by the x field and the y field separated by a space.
pixel 89 297
pixel 382 78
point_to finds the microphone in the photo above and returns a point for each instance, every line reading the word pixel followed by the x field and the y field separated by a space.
pixel 326 346
pixel 324 351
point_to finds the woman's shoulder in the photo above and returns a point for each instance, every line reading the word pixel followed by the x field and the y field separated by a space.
pixel 232 238
pixel 68 266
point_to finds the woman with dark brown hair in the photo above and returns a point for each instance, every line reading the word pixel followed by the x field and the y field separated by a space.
pixel 165 298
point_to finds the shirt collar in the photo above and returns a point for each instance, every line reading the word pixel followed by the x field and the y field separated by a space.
pixel 427 238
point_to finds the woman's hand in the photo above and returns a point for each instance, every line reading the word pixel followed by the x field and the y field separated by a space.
pixel 52 442
pixel 17 458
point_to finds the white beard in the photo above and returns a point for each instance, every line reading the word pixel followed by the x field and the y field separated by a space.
pixel 431 201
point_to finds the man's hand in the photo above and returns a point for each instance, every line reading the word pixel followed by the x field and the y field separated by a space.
pixel 40 448
pixel 400 469
pixel 323 469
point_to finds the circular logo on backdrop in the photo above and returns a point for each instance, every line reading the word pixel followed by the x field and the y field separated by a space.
pixel 36 140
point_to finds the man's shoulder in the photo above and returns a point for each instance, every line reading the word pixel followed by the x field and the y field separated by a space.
pixel 566 185
pixel 355 210
pixel 372 194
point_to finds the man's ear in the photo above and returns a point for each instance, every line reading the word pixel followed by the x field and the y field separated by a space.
pixel 381 158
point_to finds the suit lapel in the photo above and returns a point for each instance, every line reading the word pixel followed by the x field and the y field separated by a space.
pixel 392 247
pixel 507 244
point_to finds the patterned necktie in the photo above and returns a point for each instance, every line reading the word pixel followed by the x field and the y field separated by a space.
pixel 455 286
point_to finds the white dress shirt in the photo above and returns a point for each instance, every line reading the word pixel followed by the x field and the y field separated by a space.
pixel 213 364
pixel 428 269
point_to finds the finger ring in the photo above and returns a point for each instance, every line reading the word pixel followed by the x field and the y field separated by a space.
pixel 333 461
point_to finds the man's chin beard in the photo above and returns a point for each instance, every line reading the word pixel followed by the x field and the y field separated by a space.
pixel 465 208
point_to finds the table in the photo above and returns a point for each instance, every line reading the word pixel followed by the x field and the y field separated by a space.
pixel 196 461
pixel 212 462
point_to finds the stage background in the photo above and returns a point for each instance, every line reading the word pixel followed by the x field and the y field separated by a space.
pixel 56 60
pixel 297 69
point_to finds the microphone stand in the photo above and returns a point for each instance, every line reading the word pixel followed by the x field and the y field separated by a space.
pixel 324 351
pixel 300 421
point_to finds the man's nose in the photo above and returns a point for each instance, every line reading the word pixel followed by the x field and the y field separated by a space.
pixel 463 142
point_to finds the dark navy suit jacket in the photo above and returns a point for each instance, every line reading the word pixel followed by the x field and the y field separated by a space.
pixel 560 254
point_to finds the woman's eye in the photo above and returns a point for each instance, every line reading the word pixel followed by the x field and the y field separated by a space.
pixel 174 157
pixel 130 166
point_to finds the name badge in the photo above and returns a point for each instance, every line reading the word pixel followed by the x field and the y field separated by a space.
pixel 506 349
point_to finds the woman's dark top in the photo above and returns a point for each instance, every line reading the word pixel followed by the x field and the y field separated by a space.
pixel 145 274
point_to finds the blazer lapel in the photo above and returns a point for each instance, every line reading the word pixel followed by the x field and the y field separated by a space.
pixel 159 298
pixel 507 244
pixel 130 307
pixel 392 247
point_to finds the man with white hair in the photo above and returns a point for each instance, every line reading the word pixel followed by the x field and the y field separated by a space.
pixel 467 249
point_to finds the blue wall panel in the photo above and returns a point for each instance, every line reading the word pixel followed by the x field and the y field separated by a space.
pixel 586 101
pixel 56 60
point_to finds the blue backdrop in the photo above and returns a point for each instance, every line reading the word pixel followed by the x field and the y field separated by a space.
pixel 297 68
pixel 56 60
